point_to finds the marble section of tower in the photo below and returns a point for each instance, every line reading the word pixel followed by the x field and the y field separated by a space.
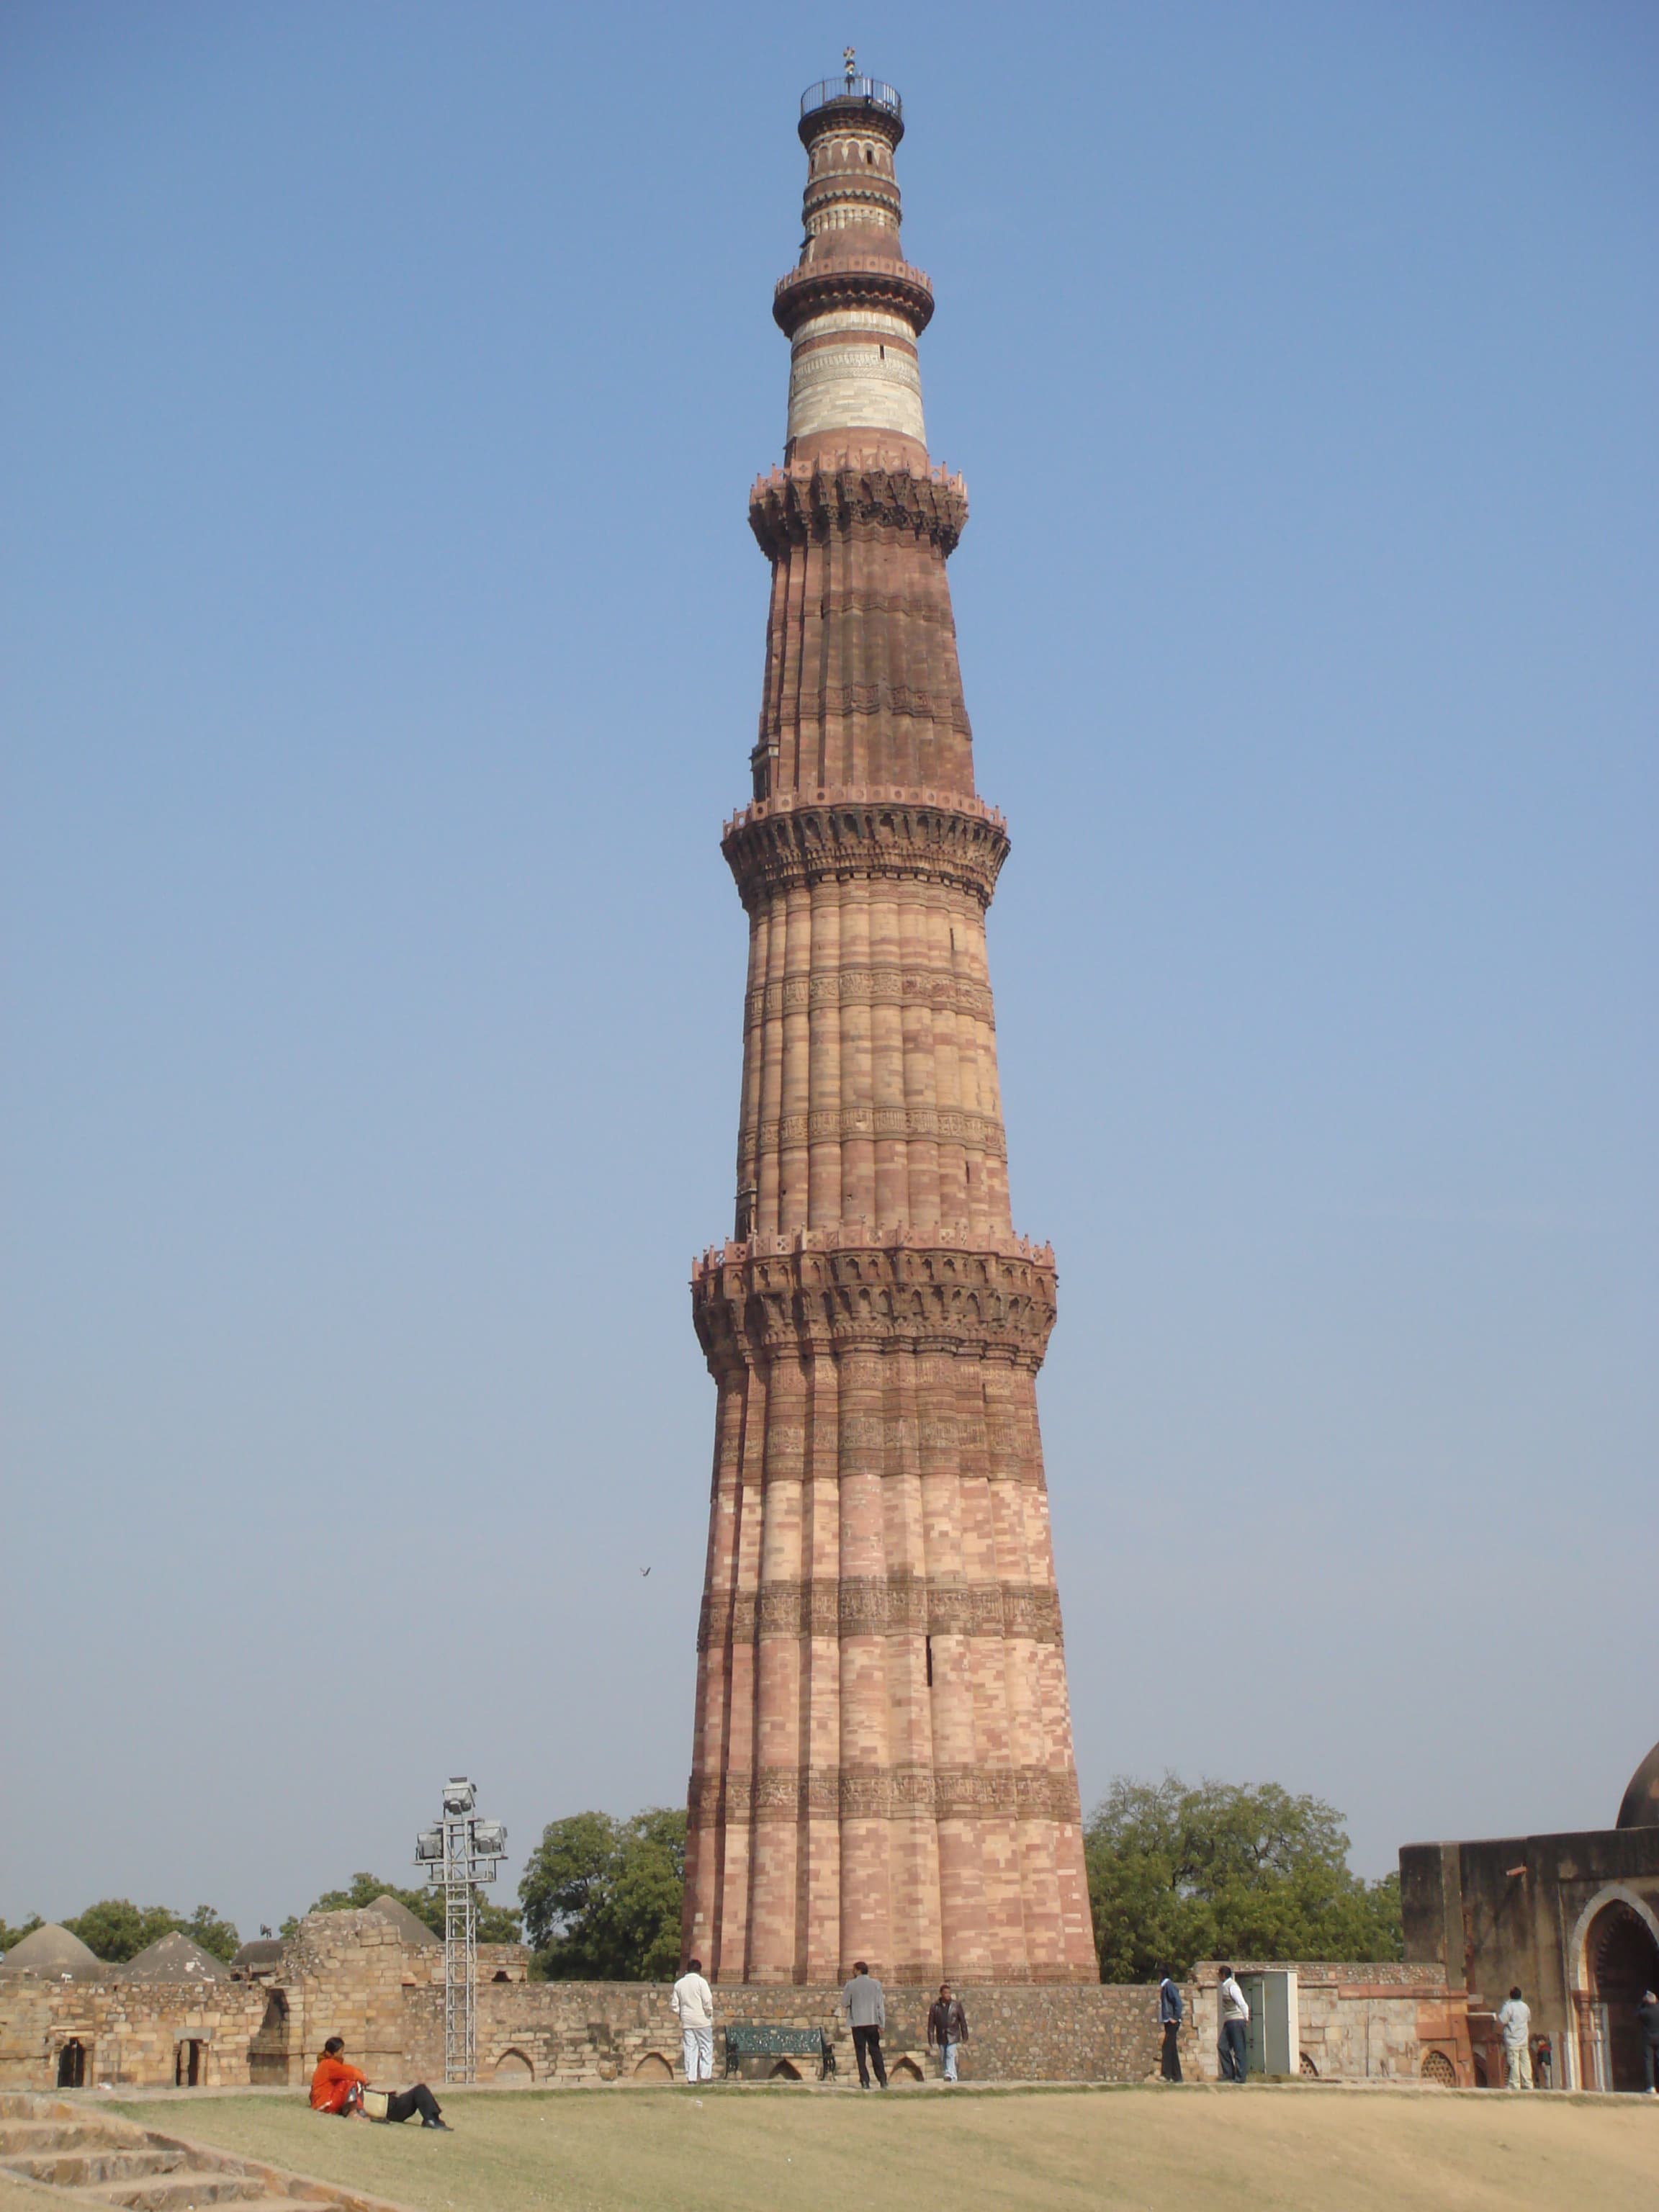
pixel 882 1766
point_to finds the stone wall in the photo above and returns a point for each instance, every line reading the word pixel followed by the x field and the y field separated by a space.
pixel 586 2031
pixel 350 1974
pixel 1375 2021
pixel 130 2033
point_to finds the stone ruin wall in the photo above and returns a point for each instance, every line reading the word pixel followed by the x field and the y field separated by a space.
pixel 1378 2021
pixel 130 2031
pixel 351 1974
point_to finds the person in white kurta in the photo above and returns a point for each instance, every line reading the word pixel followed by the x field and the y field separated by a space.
pixel 693 2002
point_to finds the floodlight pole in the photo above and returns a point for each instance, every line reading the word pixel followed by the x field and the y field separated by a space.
pixel 460 1956
pixel 461 1852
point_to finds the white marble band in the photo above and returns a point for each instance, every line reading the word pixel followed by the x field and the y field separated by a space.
pixel 855 386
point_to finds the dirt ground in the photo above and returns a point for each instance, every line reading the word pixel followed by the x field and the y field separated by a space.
pixel 742 2149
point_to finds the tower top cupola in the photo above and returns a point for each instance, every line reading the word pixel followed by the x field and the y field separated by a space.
pixel 852 306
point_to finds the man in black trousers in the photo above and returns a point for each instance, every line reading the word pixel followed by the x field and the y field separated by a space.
pixel 1169 2009
pixel 865 2008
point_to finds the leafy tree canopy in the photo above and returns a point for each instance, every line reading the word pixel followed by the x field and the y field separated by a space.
pixel 1227 1872
pixel 497 1923
pixel 116 1929
pixel 602 1897
pixel 10 1936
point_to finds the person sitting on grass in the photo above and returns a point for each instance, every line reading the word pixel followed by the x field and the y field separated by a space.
pixel 338 2089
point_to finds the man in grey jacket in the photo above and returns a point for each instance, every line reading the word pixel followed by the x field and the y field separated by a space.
pixel 865 2008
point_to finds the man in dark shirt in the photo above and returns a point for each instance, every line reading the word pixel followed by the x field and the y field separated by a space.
pixel 1647 2018
pixel 1169 2009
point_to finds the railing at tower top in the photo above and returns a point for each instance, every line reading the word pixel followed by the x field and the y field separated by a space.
pixel 867 91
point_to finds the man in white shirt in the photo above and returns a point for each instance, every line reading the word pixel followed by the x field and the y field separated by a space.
pixel 693 2003
pixel 1515 2018
pixel 1235 2025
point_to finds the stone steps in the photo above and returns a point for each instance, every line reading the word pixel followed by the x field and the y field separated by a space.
pixel 180 2189
pixel 79 2169
pixel 100 2158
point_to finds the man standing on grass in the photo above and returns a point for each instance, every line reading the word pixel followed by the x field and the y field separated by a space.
pixel 1235 2026
pixel 1515 2018
pixel 865 2008
pixel 947 2025
pixel 1170 2010
pixel 692 2002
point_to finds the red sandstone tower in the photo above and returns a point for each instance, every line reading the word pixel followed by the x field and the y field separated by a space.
pixel 882 1766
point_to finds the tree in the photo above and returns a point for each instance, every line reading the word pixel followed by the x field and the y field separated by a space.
pixel 602 1897
pixel 117 1929
pixel 1224 1872
pixel 497 1923
pixel 10 1936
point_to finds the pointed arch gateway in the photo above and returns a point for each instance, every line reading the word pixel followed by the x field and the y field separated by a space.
pixel 1620 1960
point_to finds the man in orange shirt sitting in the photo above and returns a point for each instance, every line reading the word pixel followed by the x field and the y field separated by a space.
pixel 338 2089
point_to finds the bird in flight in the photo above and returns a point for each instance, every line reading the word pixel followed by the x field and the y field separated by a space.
pixel 645 1570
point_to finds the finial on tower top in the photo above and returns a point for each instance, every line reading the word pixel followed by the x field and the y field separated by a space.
pixel 849 56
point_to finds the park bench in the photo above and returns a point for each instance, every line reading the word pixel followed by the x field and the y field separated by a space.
pixel 752 2040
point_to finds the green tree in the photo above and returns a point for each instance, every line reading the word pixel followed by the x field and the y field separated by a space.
pixel 10 1936
pixel 115 1929
pixel 602 1897
pixel 1223 1872
pixel 497 1923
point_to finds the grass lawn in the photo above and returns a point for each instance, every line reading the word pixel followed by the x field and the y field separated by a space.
pixel 737 2149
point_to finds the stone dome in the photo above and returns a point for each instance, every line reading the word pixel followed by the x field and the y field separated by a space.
pixel 408 1925
pixel 175 1958
pixel 1641 1807
pixel 52 1954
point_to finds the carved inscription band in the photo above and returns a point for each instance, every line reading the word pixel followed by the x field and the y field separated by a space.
pixel 939 1793
pixel 980 1132
pixel 957 995
pixel 878 1605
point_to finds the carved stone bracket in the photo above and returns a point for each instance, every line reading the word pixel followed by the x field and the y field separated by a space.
pixel 770 849
pixel 807 501
pixel 750 1305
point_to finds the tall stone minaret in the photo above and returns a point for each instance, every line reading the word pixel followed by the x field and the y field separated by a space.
pixel 882 1766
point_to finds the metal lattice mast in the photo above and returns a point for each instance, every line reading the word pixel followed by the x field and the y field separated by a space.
pixel 460 1852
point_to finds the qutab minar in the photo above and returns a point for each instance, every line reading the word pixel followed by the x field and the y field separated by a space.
pixel 882 1766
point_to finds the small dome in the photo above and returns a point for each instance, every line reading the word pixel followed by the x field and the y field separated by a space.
pixel 262 1955
pixel 52 1954
pixel 408 1925
pixel 1641 1807
pixel 175 1958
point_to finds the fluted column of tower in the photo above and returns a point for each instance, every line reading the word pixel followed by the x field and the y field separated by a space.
pixel 882 1767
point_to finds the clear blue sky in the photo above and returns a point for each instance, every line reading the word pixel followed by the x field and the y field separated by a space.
pixel 382 640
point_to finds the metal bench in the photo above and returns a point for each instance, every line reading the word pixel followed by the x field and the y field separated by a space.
pixel 752 2040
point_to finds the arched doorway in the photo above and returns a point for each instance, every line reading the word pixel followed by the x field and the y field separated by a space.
pixel 1622 1960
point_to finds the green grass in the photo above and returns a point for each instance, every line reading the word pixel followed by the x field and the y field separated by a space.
pixel 737 2149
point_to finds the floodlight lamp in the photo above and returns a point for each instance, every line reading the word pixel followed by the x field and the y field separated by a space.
pixel 429 1845
pixel 459 1796
pixel 489 1839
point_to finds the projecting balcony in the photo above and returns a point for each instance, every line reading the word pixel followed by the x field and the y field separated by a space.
pixel 854 91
